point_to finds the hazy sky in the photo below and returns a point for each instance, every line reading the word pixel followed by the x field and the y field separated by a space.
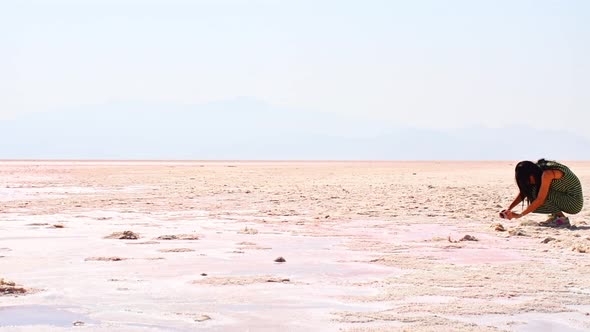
pixel 418 63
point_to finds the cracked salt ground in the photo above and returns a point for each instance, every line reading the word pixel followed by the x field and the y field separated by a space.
pixel 532 322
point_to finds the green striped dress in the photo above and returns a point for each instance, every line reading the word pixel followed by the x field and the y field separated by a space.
pixel 565 194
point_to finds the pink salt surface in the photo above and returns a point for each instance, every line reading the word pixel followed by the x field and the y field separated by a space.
pixel 487 248
pixel 366 248
pixel 160 292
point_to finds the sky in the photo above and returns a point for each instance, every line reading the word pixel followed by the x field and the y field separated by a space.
pixel 439 65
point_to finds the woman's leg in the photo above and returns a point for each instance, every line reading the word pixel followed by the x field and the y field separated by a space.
pixel 549 208
pixel 556 217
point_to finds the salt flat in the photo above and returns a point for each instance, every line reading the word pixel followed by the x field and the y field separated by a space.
pixel 368 246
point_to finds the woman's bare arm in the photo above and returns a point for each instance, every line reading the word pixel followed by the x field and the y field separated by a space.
pixel 546 179
pixel 516 201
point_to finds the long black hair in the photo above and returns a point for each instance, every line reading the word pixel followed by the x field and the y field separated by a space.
pixel 523 172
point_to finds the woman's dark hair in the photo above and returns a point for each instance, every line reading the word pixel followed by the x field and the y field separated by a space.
pixel 523 172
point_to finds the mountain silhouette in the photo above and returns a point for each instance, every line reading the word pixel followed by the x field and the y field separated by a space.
pixel 244 128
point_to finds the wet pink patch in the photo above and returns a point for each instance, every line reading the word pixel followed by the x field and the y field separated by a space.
pixel 479 256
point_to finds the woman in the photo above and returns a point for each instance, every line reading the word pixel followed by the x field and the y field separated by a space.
pixel 548 187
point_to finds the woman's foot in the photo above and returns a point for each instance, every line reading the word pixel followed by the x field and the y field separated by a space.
pixel 556 220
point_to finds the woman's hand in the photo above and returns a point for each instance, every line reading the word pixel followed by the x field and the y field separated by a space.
pixel 512 215
pixel 507 214
pixel 503 214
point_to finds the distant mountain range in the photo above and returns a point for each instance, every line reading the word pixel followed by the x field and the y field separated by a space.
pixel 247 129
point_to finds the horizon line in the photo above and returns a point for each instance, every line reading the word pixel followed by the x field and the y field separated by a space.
pixel 87 160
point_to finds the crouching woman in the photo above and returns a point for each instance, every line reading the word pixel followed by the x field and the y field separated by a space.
pixel 548 187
